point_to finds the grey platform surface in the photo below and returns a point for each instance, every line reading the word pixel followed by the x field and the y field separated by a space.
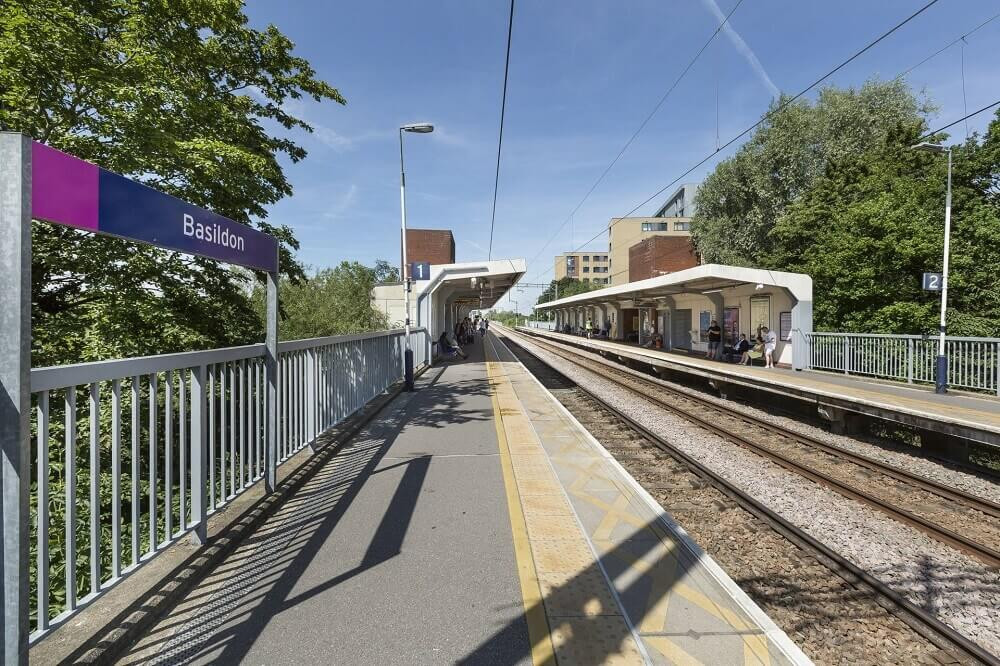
pixel 397 551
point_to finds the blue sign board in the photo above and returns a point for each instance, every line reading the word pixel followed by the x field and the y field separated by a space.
pixel 932 281
pixel 420 270
pixel 67 190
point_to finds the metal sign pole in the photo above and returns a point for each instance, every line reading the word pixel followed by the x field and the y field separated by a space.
pixel 15 377
pixel 271 377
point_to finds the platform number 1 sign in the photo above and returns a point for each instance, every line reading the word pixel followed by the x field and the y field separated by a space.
pixel 932 282
pixel 420 270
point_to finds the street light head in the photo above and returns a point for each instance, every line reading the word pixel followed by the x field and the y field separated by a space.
pixel 419 128
pixel 929 147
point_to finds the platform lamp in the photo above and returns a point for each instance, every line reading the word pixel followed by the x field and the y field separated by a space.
pixel 941 368
pixel 419 128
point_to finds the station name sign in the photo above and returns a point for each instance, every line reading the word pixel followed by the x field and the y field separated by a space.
pixel 70 191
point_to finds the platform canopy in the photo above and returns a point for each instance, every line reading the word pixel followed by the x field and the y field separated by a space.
pixel 708 278
pixel 454 289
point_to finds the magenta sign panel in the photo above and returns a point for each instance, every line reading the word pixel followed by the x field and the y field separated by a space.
pixel 69 191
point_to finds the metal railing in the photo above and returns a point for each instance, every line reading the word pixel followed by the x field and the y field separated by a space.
pixel 973 363
pixel 157 444
pixel 543 325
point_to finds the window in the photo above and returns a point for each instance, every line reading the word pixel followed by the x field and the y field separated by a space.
pixel 586 269
pixel 785 326
pixel 682 226
pixel 586 257
pixel 760 314
pixel 654 226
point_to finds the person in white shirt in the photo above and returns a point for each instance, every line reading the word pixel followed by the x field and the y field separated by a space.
pixel 770 343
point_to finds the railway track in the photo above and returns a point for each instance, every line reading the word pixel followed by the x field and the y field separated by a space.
pixel 833 609
pixel 963 521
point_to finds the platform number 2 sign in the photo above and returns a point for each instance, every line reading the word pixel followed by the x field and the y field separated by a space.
pixel 932 282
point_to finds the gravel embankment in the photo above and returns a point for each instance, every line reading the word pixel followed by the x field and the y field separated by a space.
pixel 959 590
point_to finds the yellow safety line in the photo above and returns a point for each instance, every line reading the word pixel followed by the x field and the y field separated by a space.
pixel 542 651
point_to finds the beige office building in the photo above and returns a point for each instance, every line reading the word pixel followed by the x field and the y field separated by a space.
pixel 585 266
pixel 625 232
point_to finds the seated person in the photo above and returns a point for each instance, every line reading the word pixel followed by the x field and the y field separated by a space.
pixel 655 342
pixel 448 348
pixel 742 346
pixel 753 354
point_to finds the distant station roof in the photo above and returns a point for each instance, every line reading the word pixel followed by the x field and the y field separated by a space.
pixel 474 283
pixel 698 280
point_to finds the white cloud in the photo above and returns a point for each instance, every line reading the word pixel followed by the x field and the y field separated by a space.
pixel 743 48
pixel 343 203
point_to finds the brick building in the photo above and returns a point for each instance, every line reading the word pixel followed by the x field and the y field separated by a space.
pixel 435 246
pixel 657 255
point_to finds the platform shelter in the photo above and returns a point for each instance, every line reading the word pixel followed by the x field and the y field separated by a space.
pixel 680 307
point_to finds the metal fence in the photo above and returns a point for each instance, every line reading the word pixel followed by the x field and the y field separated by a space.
pixel 543 325
pixel 129 455
pixel 973 363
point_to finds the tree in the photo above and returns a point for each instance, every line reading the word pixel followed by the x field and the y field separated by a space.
pixel 738 204
pixel 335 301
pixel 567 286
pixel 868 228
pixel 385 272
pixel 183 96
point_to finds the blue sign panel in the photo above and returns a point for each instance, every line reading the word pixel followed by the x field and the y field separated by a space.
pixel 932 281
pixel 420 270
pixel 137 212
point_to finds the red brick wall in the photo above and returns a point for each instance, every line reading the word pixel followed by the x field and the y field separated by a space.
pixel 660 253
pixel 436 246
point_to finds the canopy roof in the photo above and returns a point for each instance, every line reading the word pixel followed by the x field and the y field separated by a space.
pixel 698 280
pixel 476 283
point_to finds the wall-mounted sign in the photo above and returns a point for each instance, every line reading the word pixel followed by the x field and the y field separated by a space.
pixel 932 281
pixel 69 191
pixel 420 270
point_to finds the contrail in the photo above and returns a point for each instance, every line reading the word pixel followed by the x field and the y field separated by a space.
pixel 742 47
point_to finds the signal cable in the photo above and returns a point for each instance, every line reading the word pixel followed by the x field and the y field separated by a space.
pixel 639 129
pixel 768 115
pixel 503 109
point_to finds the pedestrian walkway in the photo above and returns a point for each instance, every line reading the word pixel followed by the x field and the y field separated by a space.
pixel 473 521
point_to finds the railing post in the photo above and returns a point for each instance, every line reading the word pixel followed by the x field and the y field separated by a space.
pixel 996 379
pixel 198 441
pixel 311 398
pixel 847 351
pixel 909 360
pixel 15 378
pixel 271 376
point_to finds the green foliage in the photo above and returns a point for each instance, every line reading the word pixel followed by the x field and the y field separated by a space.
pixel 507 317
pixel 740 201
pixel 181 96
pixel 335 301
pixel 868 228
pixel 566 287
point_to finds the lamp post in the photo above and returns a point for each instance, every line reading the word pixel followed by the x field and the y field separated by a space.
pixel 941 378
pixel 419 128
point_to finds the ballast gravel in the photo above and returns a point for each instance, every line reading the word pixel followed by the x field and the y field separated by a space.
pixel 958 589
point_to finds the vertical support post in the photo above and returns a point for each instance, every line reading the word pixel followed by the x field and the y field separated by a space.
pixel 199 453
pixel 271 375
pixel 15 396
pixel 909 360
pixel 311 399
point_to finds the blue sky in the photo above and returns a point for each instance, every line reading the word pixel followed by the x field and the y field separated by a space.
pixel 583 75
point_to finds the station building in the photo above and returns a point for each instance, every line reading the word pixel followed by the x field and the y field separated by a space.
pixel 680 307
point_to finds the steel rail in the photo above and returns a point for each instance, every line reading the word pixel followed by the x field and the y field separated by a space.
pixel 922 622
pixel 984 553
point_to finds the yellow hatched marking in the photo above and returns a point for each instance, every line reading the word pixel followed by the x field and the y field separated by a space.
pixel 542 651
pixel 671 651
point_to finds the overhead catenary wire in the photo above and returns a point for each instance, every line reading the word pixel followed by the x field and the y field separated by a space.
pixel 781 107
pixel 639 129
pixel 503 110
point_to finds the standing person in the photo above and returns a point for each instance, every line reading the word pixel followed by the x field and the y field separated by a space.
pixel 714 341
pixel 770 343
pixel 482 327
pixel 590 328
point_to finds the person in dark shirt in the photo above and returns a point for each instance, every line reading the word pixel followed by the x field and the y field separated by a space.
pixel 742 347
pixel 714 341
